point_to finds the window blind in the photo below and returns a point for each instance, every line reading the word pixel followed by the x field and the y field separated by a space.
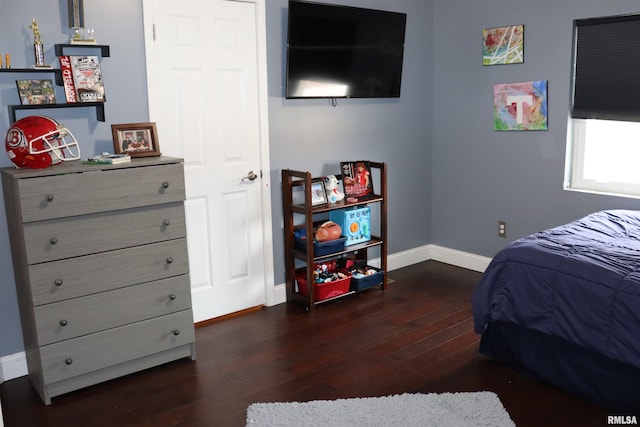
pixel 606 68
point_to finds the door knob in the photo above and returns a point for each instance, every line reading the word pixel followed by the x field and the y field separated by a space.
pixel 251 176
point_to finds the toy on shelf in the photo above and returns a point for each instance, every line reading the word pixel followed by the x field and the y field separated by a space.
pixel 331 187
pixel 328 231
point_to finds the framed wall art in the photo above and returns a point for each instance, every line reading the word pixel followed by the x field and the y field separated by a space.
pixel 503 45
pixel 520 106
pixel 136 139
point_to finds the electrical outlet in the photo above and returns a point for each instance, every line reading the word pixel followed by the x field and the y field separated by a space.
pixel 502 229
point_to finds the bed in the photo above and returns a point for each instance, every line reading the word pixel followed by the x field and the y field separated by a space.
pixel 563 306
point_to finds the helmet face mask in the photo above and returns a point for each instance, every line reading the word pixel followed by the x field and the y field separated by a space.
pixel 39 142
pixel 54 142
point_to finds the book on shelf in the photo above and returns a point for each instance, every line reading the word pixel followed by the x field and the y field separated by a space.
pixel 82 78
pixel 107 159
pixel 36 92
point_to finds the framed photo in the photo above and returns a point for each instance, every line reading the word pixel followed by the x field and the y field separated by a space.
pixel 318 194
pixel 36 92
pixel 136 139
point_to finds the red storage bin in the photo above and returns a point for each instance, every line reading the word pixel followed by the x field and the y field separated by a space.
pixel 324 290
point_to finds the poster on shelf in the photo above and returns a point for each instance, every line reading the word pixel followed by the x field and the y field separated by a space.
pixel 356 178
pixel 82 78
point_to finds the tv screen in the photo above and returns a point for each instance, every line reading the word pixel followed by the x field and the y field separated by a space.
pixel 343 52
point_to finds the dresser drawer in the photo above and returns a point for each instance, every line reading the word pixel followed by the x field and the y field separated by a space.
pixel 67 359
pixel 68 319
pixel 99 190
pixel 75 277
pixel 71 237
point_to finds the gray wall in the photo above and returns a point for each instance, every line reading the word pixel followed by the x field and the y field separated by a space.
pixel 479 175
pixel 117 23
pixel 303 134
pixel 451 177
pixel 312 135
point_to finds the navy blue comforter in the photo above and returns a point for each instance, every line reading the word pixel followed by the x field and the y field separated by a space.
pixel 579 282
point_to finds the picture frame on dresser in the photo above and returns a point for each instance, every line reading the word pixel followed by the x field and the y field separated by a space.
pixel 136 139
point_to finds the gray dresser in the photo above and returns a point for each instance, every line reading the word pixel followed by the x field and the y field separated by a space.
pixel 101 268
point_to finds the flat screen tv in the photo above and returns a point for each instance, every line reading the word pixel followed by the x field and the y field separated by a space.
pixel 343 52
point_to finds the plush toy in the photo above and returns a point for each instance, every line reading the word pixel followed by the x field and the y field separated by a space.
pixel 331 187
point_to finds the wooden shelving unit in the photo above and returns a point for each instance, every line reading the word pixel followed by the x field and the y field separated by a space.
pixel 298 214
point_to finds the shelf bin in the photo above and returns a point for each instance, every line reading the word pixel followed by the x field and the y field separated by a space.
pixel 324 290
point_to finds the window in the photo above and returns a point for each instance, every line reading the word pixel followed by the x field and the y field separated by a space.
pixel 603 133
pixel 605 156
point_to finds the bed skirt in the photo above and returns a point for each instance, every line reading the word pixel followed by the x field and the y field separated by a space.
pixel 565 365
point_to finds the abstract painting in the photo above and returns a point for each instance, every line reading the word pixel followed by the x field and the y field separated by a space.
pixel 503 45
pixel 520 106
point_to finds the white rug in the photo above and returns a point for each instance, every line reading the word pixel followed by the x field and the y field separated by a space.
pixel 407 410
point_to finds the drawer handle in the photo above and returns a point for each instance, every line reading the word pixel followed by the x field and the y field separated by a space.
pixel 166 223
pixel 165 184
pixel 68 361
pixel 63 322
pixel 176 332
pixel 53 240
pixel 172 297
pixel 58 282
pixel 49 197
pixel 169 260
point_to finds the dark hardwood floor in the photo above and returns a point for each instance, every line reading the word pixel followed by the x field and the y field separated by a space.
pixel 417 336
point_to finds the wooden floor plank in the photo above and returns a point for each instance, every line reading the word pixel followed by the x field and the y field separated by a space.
pixel 415 337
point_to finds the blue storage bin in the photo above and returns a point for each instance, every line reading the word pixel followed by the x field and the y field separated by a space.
pixel 360 282
pixel 319 248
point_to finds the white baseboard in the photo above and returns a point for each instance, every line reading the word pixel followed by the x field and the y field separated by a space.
pixel 15 365
pixel 280 294
pixel 413 256
pixel 459 258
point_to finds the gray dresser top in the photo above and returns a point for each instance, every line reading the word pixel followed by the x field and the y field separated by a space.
pixel 77 166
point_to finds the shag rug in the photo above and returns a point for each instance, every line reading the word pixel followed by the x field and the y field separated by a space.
pixel 475 409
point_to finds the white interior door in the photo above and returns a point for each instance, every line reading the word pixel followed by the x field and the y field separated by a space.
pixel 207 94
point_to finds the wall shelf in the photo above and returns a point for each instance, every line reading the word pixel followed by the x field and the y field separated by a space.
pixel 56 71
pixel 60 48
pixel 99 106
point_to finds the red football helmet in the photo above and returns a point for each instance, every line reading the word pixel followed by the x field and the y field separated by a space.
pixel 39 142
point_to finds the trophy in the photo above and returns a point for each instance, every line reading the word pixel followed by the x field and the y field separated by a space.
pixel 76 22
pixel 38 47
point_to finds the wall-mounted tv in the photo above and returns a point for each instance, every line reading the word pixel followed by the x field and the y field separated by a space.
pixel 338 51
